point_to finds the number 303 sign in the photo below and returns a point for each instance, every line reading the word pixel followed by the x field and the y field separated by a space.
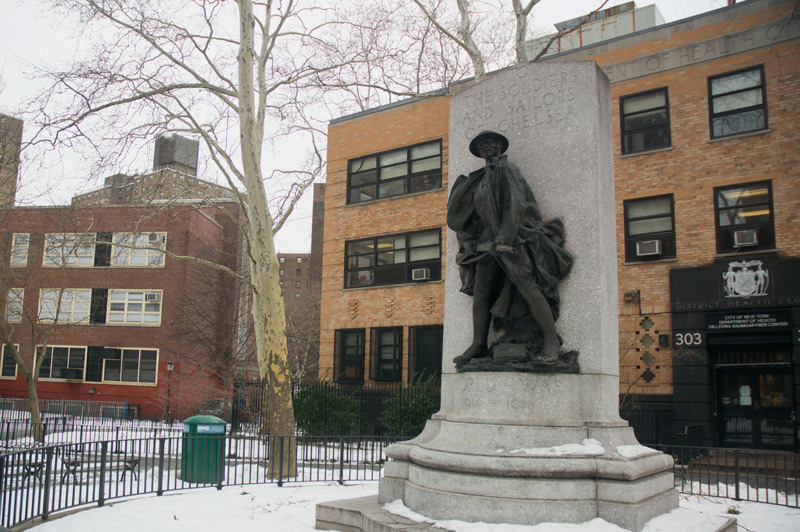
pixel 688 339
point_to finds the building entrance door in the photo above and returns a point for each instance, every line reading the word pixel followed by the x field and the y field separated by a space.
pixel 755 400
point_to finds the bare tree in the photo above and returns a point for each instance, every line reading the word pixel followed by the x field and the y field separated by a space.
pixel 221 71
pixel 468 35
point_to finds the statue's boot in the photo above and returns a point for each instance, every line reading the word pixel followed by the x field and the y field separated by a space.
pixel 543 314
pixel 480 334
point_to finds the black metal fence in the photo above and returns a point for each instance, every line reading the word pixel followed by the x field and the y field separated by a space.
pixel 740 474
pixel 38 482
pixel 20 433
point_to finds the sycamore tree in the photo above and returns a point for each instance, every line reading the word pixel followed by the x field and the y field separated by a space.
pixel 224 72
pixel 475 29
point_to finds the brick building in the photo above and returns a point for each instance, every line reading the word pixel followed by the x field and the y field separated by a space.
pixel 706 183
pixel 10 143
pixel 114 310
pixel 301 305
pixel 173 178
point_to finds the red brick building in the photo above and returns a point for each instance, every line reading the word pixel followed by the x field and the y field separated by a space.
pixel 107 291
pixel 708 197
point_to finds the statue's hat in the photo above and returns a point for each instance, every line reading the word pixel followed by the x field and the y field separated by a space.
pixel 473 145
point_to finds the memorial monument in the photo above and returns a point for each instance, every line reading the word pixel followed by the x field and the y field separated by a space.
pixel 529 428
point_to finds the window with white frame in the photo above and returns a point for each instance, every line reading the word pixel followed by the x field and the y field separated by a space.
pixel 138 249
pixel 139 307
pixel 19 250
pixel 8 366
pixel 62 362
pixel 69 249
pixel 14 304
pixel 65 306
pixel 131 365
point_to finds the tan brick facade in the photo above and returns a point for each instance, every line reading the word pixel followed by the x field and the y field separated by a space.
pixel 391 306
pixel 680 57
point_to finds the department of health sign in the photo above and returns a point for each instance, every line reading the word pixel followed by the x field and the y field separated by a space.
pixel 737 321
pixel 708 50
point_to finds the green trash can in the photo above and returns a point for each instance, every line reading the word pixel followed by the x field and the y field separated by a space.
pixel 203 450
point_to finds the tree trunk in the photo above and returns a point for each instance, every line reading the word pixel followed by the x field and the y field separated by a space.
pixel 37 429
pixel 268 311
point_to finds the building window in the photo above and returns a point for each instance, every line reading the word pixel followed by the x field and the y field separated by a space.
pixel 64 306
pixel 645 121
pixel 413 169
pixel 62 362
pixel 280 271
pixel 131 365
pixel 738 102
pixel 348 356
pixel 649 229
pixel 299 260
pixel 70 249
pixel 19 250
pixel 298 272
pixel 386 354
pixel 393 259
pixel 16 296
pixel 8 366
pixel 132 249
pixel 298 284
pixel 134 307
pixel 297 296
pixel 424 353
pixel 744 217
pixel 282 260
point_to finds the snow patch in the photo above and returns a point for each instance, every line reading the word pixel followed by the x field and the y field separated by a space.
pixel 632 451
pixel 588 447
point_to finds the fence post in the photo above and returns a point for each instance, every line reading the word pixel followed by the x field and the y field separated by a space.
pixel 221 464
pixel 3 497
pixel 341 460
pixel 736 474
pixel 48 471
pixel 160 491
pixel 101 500
pixel 280 461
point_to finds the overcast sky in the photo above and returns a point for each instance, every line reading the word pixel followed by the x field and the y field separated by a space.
pixel 29 38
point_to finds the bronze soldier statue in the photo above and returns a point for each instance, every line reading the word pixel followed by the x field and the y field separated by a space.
pixel 510 260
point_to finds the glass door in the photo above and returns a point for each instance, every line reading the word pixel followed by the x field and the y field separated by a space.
pixel 755 407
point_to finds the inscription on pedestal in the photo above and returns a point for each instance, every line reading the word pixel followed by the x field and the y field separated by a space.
pixel 527 101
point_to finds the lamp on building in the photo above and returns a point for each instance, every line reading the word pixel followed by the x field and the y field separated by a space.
pixel 632 297
pixel 92 390
pixel 170 367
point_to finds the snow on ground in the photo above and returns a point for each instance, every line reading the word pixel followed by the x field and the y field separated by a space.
pixel 291 509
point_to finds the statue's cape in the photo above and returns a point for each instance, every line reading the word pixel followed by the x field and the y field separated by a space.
pixel 514 219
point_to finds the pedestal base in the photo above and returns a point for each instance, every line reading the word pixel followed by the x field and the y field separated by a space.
pixel 582 472
pixel 366 514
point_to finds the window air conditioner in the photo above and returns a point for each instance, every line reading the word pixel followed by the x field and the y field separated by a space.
pixel 156 238
pixel 421 274
pixel 647 248
pixel 152 296
pixel 746 237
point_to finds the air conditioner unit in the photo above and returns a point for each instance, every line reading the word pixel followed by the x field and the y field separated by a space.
pixel 744 238
pixel 157 238
pixel 152 296
pixel 421 274
pixel 647 248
